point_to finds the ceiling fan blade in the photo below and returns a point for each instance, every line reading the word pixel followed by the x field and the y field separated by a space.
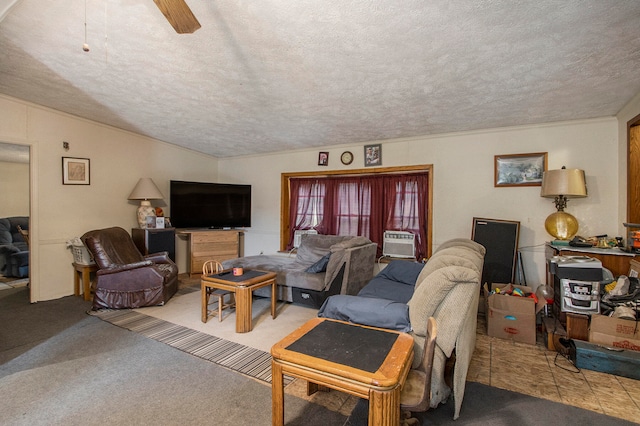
pixel 179 15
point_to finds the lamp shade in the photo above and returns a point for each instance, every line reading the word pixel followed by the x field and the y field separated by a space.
pixel 561 185
pixel 146 189
pixel 567 182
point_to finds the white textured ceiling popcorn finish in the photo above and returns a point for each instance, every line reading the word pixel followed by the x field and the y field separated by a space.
pixel 270 76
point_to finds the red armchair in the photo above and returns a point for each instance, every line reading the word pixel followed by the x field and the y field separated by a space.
pixel 125 278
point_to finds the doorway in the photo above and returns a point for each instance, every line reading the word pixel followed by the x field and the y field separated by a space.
pixel 633 173
pixel 15 209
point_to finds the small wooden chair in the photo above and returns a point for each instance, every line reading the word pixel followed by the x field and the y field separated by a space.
pixel 213 267
pixel 416 392
pixel 25 234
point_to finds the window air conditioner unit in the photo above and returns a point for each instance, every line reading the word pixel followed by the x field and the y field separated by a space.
pixel 399 244
pixel 297 236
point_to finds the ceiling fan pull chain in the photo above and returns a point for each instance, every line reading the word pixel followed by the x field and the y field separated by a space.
pixel 85 46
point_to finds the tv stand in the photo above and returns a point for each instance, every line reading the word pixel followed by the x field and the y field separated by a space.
pixel 212 244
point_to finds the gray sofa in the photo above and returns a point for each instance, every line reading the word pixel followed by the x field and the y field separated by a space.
pixel 14 250
pixel 324 265
pixel 405 294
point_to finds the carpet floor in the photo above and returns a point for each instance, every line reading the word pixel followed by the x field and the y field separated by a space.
pixel 240 358
pixel 60 366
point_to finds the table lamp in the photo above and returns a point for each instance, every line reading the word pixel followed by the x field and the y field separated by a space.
pixel 145 190
pixel 561 185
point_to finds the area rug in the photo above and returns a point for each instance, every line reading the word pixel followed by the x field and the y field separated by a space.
pixel 185 310
pixel 234 356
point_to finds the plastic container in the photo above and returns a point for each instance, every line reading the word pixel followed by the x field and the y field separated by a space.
pixel 80 253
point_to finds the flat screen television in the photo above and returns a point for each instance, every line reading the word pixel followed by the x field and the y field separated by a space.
pixel 209 205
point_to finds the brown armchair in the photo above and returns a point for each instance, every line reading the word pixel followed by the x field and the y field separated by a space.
pixel 125 278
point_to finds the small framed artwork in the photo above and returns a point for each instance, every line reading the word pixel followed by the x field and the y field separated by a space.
pixel 323 159
pixel 373 155
pixel 151 222
pixel 75 171
pixel 520 169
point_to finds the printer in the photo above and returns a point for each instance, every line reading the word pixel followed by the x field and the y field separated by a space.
pixel 576 284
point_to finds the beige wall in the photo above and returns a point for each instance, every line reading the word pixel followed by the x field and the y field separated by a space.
pixel 463 181
pixel 117 158
pixel 14 187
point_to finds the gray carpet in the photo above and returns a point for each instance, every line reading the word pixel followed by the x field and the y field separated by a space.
pixel 87 371
pixel 62 366
pixel 489 406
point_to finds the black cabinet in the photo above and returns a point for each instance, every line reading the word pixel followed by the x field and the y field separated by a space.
pixel 152 240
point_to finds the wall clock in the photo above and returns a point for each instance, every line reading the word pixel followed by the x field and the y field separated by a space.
pixel 346 158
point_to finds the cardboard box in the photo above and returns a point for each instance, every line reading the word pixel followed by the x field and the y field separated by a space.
pixel 512 317
pixel 615 332
pixel 634 268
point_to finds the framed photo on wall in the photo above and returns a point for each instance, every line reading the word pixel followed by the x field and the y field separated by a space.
pixel 75 171
pixel 373 155
pixel 323 158
pixel 520 169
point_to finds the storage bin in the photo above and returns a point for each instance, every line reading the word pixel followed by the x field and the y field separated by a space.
pixel 80 253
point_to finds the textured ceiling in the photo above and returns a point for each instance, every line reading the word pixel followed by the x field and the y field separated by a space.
pixel 267 76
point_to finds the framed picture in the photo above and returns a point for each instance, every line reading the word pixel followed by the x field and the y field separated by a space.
pixel 75 171
pixel 520 169
pixel 323 159
pixel 373 155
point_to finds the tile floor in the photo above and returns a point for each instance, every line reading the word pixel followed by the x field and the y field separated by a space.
pixel 537 371
pixel 527 369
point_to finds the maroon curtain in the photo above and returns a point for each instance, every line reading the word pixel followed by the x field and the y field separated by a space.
pixel 303 192
pixel 406 207
pixel 362 205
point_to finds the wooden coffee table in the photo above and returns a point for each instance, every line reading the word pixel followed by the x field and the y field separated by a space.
pixel 243 287
pixel 367 362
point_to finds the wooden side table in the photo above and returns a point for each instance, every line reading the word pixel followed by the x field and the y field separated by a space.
pixel 242 287
pixel 367 362
pixel 83 272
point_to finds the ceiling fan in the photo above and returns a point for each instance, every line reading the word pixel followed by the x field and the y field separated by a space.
pixel 179 15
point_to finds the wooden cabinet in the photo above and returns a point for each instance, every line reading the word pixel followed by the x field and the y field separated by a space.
pixel 212 245
pixel 155 240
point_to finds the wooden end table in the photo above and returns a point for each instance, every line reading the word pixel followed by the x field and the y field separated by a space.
pixel 242 286
pixel 367 362
pixel 83 272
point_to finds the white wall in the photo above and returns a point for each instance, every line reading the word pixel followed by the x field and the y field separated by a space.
pixel 14 187
pixel 117 159
pixel 463 181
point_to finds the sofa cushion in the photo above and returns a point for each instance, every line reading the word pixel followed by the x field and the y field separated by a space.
pixel 289 272
pixel 367 311
pixel 9 233
pixel 442 260
pixel 5 231
pixel 402 271
pixel 320 265
pixel 429 294
pixel 313 247
pixel 453 255
pixel 385 288
pixel 462 242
